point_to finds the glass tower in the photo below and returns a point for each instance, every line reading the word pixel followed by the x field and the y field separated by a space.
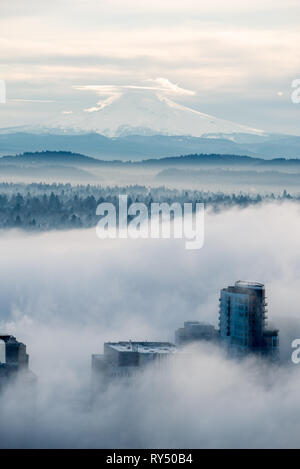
pixel 242 320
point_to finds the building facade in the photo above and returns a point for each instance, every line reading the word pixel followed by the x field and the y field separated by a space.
pixel 13 358
pixel 195 331
pixel 243 319
pixel 124 360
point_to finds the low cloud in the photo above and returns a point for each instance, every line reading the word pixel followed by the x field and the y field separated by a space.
pixel 66 293
pixel 111 93
pixel 19 100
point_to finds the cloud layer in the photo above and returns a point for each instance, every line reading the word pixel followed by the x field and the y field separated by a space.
pixel 160 86
pixel 66 293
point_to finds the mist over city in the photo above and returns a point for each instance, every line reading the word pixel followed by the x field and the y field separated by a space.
pixel 65 293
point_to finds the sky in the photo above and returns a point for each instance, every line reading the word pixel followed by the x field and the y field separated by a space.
pixel 87 291
pixel 237 59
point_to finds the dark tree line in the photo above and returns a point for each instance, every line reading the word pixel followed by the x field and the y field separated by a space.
pixel 63 206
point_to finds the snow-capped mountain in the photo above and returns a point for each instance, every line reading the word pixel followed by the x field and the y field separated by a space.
pixel 145 112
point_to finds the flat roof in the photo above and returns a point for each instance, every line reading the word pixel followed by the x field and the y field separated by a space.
pixel 197 323
pixel 143 347
pixel 246 284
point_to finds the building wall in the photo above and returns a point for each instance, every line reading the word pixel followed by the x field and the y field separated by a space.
pixel 242 318
pixel 194 332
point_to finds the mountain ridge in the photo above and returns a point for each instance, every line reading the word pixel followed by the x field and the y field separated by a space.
pixel 139 147
pixel 213 159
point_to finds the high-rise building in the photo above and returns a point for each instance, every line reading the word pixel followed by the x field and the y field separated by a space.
pixel 242 320
pixel 13 357
pixel 195 331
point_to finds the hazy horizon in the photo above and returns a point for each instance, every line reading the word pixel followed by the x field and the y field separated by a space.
pixel 234 60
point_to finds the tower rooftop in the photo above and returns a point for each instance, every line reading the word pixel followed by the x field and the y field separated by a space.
pixel 246 284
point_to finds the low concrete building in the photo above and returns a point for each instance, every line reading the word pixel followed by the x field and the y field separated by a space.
pixel 195 331
pixel 127 359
